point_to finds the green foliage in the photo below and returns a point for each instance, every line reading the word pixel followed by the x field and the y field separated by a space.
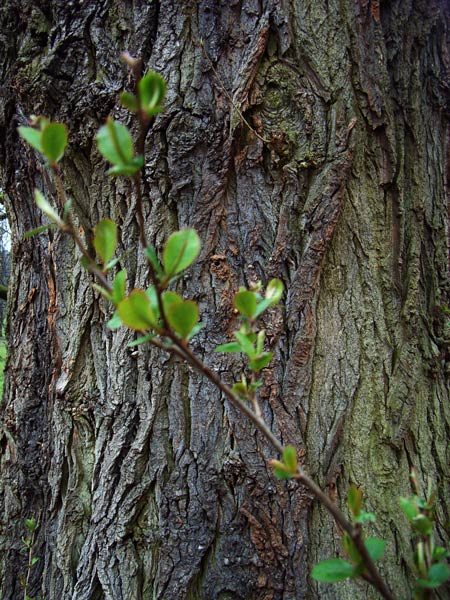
pixel 152 91
pixel 136 312
pixel 105 240
pixel 116 145
pixel 180 251
pixel 45 207
pixel 287 468
pixel 50 139
pixel 333 570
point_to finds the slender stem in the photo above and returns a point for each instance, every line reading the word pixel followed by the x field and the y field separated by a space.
pixel 30 558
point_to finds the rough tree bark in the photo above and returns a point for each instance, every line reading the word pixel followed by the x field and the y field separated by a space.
pixel 145 482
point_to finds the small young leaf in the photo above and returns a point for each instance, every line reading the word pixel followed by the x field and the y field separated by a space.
pixel 365 517
pixel 274 291
pixel 245 302
pixel 436 576
pixel 54 141
pixel 31 524
pixel 239 388
pixel 195 330
pixel 150 253
pixel 32 136
pixel 114 143
pixel 354 499
pixel 152 91
pixel 119 287
pixel 129 101
pixel 422 524
pixel 246 344
pixel 439 553
pixel 258 363
pixel 260 342
pixel 290 458
pixel 129 169
pixel 375 548
pixel 38 230
pixel 180 251
pixel 135 311
pixel 105 240
pixel 34 560
pixel 230 347
pixel 409 508
pixel 42 203
pixel 182 316
pixel 350 549
pixel 141 340
pixel 262 306
pixel 332 570
pixel 280 470
pixel 115 321
pixel 169 298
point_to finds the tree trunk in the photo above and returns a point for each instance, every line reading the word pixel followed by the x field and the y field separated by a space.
pixel 146 483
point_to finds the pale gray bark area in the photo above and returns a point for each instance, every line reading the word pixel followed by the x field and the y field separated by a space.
pixel 145 482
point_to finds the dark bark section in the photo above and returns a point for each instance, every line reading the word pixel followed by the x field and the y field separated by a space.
pixel 145 482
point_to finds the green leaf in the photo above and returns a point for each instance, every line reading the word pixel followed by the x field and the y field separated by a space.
pixel 169 298
pixel 422 524
pixel 261 361
pixel 34 560
pixel 254 386
pixel 180 251
pixel 105 240
pixel 375 548
pixel 230 347
pixel 280 470
pixel 239 388
pixel 195 330
pixel 31 524
pixel 439 553
pixel 436 576
pixel 42 203
pixel 141 340
pixel 245 302
pixel 135 311
pixel 129 169
pixel 119 287
pixel 262 306
pixel 150 253
pixel 354 499
pixel 32 136
pixel 245 343
pixel 182 316
pixel 274 291
pixel 54 141
pixel 260 341
pixel 38 230
pixel 350 549
pixel 290 458
pixel 332 570
pixel 365 517
pixel 409 508
pixel 129 101
pixel 115 321
pixel 114 143
pixel 152 91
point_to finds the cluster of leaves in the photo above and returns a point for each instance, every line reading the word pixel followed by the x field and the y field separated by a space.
pixel 429 565
pixel 250 304
pixel 28 544
pixel 338 569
